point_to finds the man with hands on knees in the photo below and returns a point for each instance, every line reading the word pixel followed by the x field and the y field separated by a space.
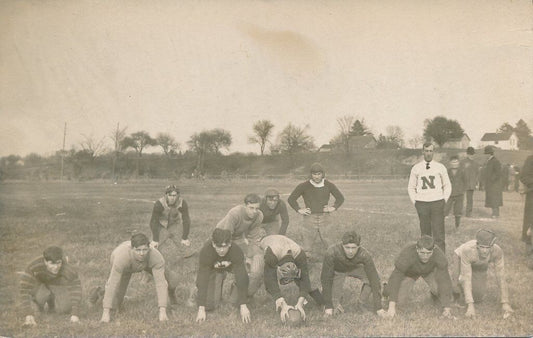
pixel 423 259
pixel 130 257
pixel 471 263
pixel 50 280
pixel 218 257
pixel 286 262
pixel 349 259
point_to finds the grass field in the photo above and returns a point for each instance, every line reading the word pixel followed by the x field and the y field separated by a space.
pixel 90 219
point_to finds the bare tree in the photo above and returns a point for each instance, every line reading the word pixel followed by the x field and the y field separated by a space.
pixel 263 132
pixel 396 135
pixel 167 143
pixel 345 128
pixel 415 142
pixel 221 139
pixel 117 136
pixel 294 139
pixel 92 147
pixel 208 141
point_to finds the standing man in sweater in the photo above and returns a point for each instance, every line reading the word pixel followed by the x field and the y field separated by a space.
pixel 349 259
pixel 218 257
pixel 429 189
pixel 50 280
pixel 471 169
pixel 315 193
pixel 244 223
pixel 275 214
pixel 425 260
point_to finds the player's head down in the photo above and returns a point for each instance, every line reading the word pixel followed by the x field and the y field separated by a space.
pixel 221 241
pixel 288 272
pixel 484 240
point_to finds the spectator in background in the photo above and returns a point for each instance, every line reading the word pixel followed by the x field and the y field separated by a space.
pixel 50 280
pixel 526 177
pixel 471 169
pixel 516 179
pixel 458 180
pixel 492 173
pixel 316 193
pixel 275 214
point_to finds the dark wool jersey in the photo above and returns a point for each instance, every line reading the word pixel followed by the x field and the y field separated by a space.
pixel 409 265
pixel 458 181
pixel 278 250
pixel 315 198
pixel 269 215
pixel 335 260
pixel 36 273
pixel 164 215
pixel 210 262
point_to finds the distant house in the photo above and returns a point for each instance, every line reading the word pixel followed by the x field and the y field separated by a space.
pixel 508 141
pixel 325 148
pixel 362 142
pixel 462 142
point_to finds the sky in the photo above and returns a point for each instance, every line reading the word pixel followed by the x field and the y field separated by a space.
pixel 180 67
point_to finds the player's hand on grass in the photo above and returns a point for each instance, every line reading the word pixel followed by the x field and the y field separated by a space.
pixel 200 317
pixel 328 208
pixel 507 310
pixel 328 312
pixel 470 311
pixel 382 313
pixel 154 244
pixel 245 314
pixel 29 321
pixel 163 314
pixel 282 304
pixel 300 306
pixel 106 317
pixel 305 211
pixel 186 242
pixel 74 319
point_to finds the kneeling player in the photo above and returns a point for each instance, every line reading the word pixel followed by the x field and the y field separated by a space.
pixel 50 280
pixel 471 263
pixel 286 262
pixel 425 260
pixel 136 256
pixel 217 257
pixel 350 259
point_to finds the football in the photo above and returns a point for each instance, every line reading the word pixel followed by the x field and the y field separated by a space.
pixel 294 318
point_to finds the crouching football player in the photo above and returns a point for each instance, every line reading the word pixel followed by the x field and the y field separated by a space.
pixel 286 262
pixel 130 257
pixel 50 280
pixel 218 257
pixel 425 260
pixel 471 262
pixel 349 259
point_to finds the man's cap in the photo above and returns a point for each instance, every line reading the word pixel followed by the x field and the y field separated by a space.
pixel 351 237
pixel 470 151
pixel 288 272
pixel 221 237
pixel 485 237
pixel 271 192
pixel 489 150
pixel 53 253
pixel 317 168
pixel 171 188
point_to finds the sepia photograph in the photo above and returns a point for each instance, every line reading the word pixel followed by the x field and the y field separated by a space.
pixel 219 168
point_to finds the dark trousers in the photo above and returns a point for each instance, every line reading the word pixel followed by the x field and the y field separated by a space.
pixel 431 216
pixel 469 202
pixel 528 217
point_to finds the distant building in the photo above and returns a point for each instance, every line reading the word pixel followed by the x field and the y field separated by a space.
pixel 462 142
pixel 507 141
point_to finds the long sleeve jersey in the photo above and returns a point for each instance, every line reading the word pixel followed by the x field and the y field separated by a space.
pixel 210 262
pixel 470 261
pixel 269 215
pixel 457 180
pixel 164 215
pixel 315 198
pixel 36 273
pixel 335 260
pixel 240 225
pixel 123 262
pixel 471 169
pixel 429 185
pixel 278 250
pixel 409 265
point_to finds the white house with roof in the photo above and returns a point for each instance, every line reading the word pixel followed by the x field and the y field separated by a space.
pixel 462 142
pixel 507 141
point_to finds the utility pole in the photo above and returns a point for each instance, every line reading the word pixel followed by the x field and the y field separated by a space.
pixel 63 152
